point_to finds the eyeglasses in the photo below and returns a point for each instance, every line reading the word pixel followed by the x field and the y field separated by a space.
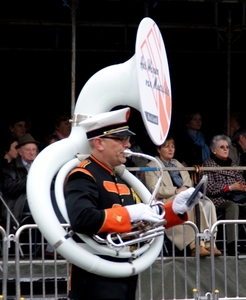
pixel 122 139
pixel 224 147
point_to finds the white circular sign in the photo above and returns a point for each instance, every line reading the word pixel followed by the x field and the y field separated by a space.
pixel 153 81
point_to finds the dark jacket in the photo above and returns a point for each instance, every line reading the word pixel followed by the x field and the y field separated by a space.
pixel 238 156
pixel 14 187
pixel 186 151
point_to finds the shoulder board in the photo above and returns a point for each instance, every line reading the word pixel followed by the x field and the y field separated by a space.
pixel 81 168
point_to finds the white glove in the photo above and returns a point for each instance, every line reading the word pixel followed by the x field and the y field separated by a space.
pixel 180 206
pixel 143 212
pixel 158 208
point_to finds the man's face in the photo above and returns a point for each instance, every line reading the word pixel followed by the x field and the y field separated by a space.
pixel 28 152
pixel 242 142
pixel 18 129
pixel 112 149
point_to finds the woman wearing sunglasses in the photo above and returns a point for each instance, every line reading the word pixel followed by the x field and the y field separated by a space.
pixel 223 181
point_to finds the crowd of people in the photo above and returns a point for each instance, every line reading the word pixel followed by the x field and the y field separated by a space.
pixel 95 195
pixel 226 149
pixel 18 151
pixel 188 148
pixel 174 182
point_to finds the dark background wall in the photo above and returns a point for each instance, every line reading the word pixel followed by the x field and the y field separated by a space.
pixel 204 40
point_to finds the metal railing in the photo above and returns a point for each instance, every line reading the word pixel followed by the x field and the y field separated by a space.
pixel 170 277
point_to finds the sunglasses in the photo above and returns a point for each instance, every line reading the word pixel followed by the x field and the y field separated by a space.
pixel 224 147
pixel 122 139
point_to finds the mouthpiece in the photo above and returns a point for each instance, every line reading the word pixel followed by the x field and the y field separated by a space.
pixel 128 152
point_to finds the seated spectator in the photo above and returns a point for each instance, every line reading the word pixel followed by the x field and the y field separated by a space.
pixel 62 126
pixel 15 176
pixel 174 182
pixel 12 153
pixel 191 145
pixel 16 129
pixel 223 181
pixel 49 138
pixel 230 127
pixel 237 151
pixel 235 122
pixel 17 126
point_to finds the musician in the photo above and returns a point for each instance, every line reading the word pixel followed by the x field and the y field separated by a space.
pixel 98 201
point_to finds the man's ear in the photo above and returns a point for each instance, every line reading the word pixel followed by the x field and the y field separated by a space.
pixel 98 143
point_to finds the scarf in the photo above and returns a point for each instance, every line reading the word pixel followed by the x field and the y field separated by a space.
pixel 199 140
pixel 175 175
pixel 222 162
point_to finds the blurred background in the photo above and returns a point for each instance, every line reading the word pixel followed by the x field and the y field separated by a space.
pixel 205 43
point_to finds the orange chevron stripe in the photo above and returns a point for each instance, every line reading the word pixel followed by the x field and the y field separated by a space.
pixel 81 170
pixel 117 188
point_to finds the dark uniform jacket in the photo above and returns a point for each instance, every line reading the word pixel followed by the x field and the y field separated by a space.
pixel 95 199
pixel 91 188
pixel 91 191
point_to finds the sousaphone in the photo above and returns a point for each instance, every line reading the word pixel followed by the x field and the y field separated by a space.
pixel 143 83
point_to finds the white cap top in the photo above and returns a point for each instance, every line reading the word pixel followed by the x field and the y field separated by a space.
pixel 113 123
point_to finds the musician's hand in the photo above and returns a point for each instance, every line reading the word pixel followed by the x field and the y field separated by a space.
pixel 158 207
pixel 179 205
pixel 143 212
